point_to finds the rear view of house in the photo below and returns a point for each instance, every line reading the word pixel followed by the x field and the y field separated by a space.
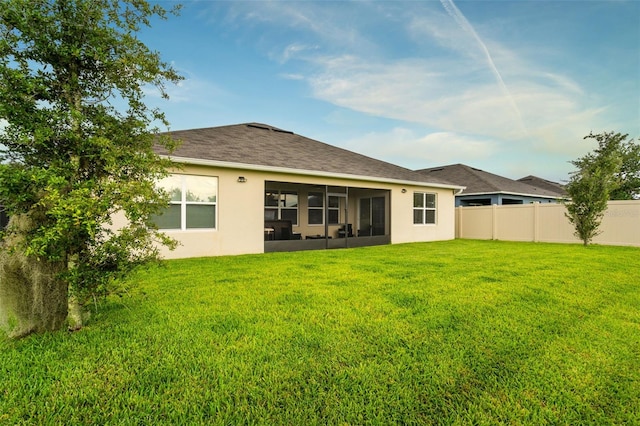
pixel 254 188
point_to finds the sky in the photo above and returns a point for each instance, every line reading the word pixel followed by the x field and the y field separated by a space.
pixel 510 86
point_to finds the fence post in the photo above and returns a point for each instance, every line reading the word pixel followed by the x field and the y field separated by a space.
pixel 536 221
pixel 494 222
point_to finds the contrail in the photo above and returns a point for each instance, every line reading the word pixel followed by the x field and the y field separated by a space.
pixel 455 13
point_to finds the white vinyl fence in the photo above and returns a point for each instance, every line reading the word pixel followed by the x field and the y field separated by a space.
pixel 546 223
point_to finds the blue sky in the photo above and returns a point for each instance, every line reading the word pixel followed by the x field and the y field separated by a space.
pixel 510 86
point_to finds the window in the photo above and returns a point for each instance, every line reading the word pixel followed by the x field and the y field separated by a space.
pixel 281 205
pixel 333 210
pixel 424 208
pixel 193 202
pixel 315 208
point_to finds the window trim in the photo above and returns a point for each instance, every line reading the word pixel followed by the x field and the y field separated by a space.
pixel 183 203
pixel 425 208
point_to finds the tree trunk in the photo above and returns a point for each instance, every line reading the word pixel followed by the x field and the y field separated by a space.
pixel 33 298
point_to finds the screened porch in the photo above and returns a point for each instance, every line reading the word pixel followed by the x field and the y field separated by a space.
pixel 312 217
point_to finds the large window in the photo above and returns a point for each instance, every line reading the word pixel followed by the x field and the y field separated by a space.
pixel 315 209
pixel 424 208
pixel 193 202
pixel 281 205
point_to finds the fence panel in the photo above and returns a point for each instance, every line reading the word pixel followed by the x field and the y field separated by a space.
pixel 546 223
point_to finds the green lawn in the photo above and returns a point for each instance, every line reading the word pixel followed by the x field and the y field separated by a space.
pixel 457 332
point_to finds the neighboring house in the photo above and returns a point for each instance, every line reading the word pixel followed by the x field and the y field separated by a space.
pixel 254 188
pixel 544 184
pixel 484 189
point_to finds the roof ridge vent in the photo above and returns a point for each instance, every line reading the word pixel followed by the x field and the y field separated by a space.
pixel 258 126
pixel 282 131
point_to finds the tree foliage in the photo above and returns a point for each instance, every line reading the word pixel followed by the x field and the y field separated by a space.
pixel 78 138
pixel 610 172
pixel 628 177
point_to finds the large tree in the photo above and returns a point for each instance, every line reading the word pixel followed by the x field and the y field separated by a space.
pixel 76 149
pixel 610 172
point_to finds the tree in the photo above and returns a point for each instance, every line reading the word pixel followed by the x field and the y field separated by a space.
pixel 628 176
pixel 611 172
pixel 72 159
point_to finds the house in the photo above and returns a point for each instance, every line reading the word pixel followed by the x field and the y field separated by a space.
pixel 255 188
pixel 544 184
pixel 484 188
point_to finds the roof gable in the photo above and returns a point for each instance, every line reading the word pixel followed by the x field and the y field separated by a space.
pixel 478 181
pixel 264 145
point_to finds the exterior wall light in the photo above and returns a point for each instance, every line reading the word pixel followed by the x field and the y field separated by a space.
pixel 242 179
pixel 404 190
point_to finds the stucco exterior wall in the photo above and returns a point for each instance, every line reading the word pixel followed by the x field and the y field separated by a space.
pixel 240 212
pixel 402 228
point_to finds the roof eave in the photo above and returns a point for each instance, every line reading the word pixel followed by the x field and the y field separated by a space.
pixel 555 197
pixel 288 170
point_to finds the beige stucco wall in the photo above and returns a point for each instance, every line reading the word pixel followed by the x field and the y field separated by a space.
pixel 402 228
pixel 240 212
pixel 547 223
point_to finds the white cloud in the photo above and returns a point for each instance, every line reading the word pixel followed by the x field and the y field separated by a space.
pixel 551 111
pixel 193 89
pixel 413 150
pixel 472 92
pixel 293 51
pixel 292 76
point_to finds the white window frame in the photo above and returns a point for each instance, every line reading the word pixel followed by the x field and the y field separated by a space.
pixel 425 207
pixel 183 203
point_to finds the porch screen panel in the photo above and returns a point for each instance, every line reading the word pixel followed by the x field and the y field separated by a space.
pixel 333 210
pixel 315 202
pixel 378 216
pixel 281 205
pixel 365 216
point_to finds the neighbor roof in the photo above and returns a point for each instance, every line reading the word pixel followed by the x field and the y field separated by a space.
pixel 266 146
pixel 544 184
pixel 478 181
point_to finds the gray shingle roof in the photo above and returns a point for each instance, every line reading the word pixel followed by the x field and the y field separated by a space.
pixel 265 145
pixel 480 182
pixel 544 184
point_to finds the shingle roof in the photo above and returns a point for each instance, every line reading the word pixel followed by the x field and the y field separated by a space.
pixel 544 184
pixel 265 145
pixel 480 182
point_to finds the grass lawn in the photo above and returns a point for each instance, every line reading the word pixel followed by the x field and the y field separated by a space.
pixel 456 332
